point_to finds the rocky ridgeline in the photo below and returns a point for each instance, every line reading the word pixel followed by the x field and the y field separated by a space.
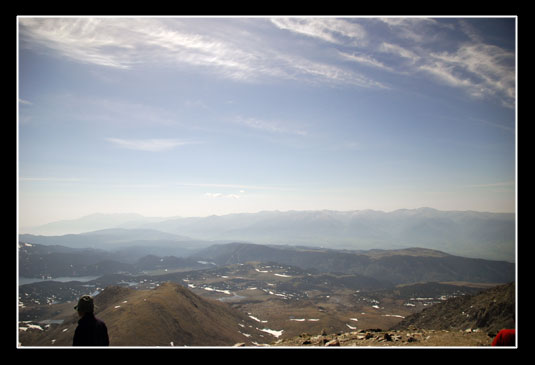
pixel 381 338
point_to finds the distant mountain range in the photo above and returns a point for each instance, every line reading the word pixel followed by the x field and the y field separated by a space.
pixel 53 261
pixel 132 243
pixel 465 233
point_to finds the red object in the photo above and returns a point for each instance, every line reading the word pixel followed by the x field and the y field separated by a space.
pixel 504 338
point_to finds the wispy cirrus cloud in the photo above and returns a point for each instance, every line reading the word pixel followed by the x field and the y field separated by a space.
pixel 333 30
pixel 409 46
pixel 149 145
pixel 366 60
pixel 271 126
pixel 427 48
pixel 125 43
pixel 50 179
pixel 220 195
pixel 483 70
pixel 25 102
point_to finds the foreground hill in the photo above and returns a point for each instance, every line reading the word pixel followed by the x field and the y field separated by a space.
pixel 170 315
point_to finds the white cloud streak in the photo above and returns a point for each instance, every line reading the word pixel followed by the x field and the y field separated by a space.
pixel 149 145
pixel 365 60
pixel 50 179
pixel 25 102
pixel 332 30
pixel 237 186
pixel 270 126
pixel 219 195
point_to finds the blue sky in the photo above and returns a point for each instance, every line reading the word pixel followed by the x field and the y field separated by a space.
pixel 173 116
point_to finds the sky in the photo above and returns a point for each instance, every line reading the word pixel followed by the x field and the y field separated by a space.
pixel 195 116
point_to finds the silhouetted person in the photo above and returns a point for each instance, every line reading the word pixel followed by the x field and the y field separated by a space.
pixel 91 331
pixel 504 338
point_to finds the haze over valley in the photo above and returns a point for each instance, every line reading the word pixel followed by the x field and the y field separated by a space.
pixel 295 288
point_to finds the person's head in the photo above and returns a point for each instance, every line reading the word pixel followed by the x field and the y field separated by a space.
pixel 85 305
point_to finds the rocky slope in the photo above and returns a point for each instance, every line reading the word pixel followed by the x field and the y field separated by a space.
pixel 387 338
pixel 489 311
pixel 471 320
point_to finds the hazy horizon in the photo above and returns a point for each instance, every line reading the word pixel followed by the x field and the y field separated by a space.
pixel 200 116
pixel 256 212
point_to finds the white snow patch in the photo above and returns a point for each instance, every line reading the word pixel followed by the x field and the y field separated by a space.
pixel 393 315
pixel 273 332
pixel 217 290
pixel 256 319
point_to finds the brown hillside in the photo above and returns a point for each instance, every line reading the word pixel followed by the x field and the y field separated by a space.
pixel 169 315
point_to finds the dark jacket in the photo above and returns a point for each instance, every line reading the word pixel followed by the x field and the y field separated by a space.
pixel 91 331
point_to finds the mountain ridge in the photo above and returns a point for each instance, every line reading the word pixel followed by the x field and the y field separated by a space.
pixel 395 266
pixel 465 233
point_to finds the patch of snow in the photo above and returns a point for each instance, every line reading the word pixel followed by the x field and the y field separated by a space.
pixel 217 290
pixel 206 263
pixel 273 332
pixel 256 319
